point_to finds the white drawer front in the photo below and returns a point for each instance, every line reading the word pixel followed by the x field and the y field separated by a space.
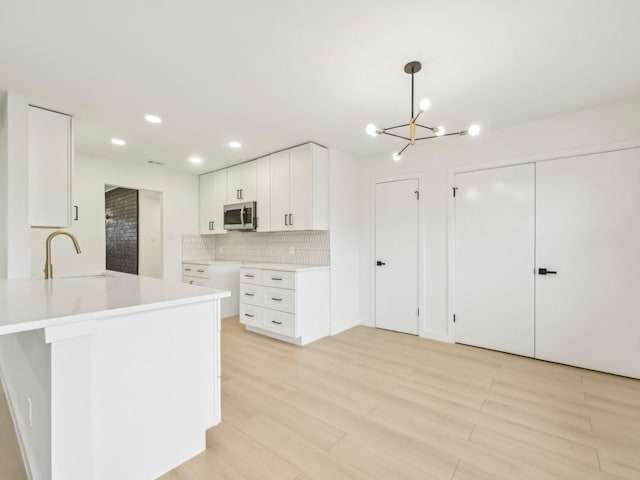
pixel 278 322
pixel 193 270
pixel 273 278
pixel 250 275
pixel 201 282
pixel 279 299
pixel 250 315
pixel 250 294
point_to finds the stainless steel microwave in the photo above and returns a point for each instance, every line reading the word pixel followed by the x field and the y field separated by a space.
pixel 241 216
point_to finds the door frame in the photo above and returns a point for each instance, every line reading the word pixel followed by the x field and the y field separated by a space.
pixel 451 211
pixel 421 249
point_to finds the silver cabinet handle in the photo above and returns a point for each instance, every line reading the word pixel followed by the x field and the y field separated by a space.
pixel 190 282
pixel 75 207
pixel 291 219
pixel 276 278
pixel 276 299
pixel 242 194
pixel 187 269
pixel 247 315
pixel 277 323
pixel 200 271
pixel 248 294
pixel 285 219
pixel 248 276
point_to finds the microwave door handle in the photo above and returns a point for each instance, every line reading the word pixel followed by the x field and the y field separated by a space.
pixel 242 214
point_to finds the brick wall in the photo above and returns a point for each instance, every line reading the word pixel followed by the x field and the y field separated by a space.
pixel 121 229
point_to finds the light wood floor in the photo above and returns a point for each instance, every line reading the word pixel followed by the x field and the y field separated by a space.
pixel 373 404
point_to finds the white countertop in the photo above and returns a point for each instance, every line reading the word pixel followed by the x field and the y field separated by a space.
pixel 285 267
pixel 32 304
pixel 212 262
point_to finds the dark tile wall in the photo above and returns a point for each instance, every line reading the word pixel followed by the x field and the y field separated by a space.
pixel 121 228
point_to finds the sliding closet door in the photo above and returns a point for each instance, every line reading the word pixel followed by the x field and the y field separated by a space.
pixel 588 239
pixel 494 259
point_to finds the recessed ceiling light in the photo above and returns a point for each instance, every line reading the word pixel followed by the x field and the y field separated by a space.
pixel 195 159
pixel 118 141
pixel 235 144
pixel 153 119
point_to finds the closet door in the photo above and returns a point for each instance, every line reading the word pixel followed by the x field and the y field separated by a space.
pixel 588 233
pixel 494 258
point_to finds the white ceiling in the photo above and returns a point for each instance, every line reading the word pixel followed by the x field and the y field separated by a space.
pixel 278 73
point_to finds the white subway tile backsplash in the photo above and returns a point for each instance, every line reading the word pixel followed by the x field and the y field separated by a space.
pixel 302 248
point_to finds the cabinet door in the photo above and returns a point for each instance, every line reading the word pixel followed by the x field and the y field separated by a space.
pixel 219 200
pixel 263 193
pixel 50 163
pixel 206 203
pixel 301 188
pixel 234 183
pixel 248 186
pixel 280 185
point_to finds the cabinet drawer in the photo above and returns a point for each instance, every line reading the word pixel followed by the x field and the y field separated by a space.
pixel 194 270
pixel 279 299
pixel 250 275
pixel 250 294
pixel 250 315
pixel 274 278
pixel 201 282
pixel 278 322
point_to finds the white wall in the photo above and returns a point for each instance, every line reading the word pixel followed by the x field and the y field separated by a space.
pixel 14 188
pixel 179 215
pixel 434 159
pixel 344 224
pixel 150 262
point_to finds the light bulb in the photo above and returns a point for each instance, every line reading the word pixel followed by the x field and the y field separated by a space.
pixel 440 131
pixel 424 104
pixel 396 156
pixel 372 130
pixel 474 130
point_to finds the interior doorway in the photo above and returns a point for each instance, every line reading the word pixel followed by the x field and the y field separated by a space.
pixel 397 255
pixel 133 231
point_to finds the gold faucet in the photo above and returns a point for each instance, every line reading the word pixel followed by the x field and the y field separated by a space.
pixel 48 267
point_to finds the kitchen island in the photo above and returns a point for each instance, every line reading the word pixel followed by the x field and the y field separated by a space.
pixel 110 375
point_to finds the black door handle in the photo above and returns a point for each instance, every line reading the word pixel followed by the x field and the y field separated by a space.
pixel 380 264
pixel 544 271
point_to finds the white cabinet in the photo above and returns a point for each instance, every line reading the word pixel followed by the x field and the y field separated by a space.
pixel 241 182
pixel 213 196
pixel 50 166
pixel 300 188
pixel 286 302
pixel 215 274
pixel 263 193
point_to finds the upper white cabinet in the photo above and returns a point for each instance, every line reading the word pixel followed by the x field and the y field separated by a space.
pixel 241 182
pixel 213 196
pixel 300 188
pixel 263 193
pixel 50 166
pixel 291 189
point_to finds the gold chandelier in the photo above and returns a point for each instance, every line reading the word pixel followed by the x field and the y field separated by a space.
pixel 412 68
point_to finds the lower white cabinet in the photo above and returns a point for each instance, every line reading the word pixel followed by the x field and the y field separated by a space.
pixel 215 274
pixel 286 302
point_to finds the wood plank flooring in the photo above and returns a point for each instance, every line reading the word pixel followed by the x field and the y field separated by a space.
pixel 372 404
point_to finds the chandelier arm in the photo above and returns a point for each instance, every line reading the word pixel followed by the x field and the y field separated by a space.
pixel 425 126
pixel 397 126
pixel 462 132
pixel 405 147
pixel 412 93
pixel 417 116
pixel 394 135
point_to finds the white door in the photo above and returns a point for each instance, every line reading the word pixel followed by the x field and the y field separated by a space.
pixel 494 259
pixel 249 179
pixel 280 191
pixel 301 188
pixel 588 233
pixel 234 184
pixel 396 248
pixel 263 193
pixel 207 183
